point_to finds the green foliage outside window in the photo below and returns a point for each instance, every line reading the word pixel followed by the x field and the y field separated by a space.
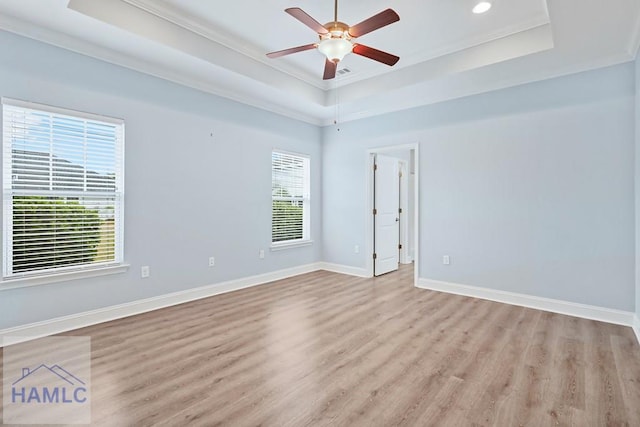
pixel 288 221
pixel 53 233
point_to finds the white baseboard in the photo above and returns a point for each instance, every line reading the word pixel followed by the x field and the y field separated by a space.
pixel 344 269
pixel 602 314
pixel 66 323
pixel 636 327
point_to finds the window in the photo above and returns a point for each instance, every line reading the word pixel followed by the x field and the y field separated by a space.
pixel 62 190
pixel 289 198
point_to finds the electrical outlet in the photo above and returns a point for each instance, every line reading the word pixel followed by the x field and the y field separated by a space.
pixel 212 261
pixel 446 260
pixel 261 254
pixel 145 271
pixel 356 249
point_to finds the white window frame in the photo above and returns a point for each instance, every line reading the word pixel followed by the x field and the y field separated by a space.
pixel 12 279
pixel 306 203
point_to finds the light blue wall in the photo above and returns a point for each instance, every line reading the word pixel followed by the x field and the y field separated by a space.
pixel 637 185
pixel 528 189
pixel 198 179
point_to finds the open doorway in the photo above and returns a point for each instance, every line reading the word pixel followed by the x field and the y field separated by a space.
pixel 392 209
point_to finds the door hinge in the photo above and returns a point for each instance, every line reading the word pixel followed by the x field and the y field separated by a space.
pixel 375 256
pixel 399 210
pixel 400 174
pixel 399 246
pixel 375 167
pixel 375 211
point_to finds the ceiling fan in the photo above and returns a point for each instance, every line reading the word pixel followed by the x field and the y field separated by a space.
pixel 338 39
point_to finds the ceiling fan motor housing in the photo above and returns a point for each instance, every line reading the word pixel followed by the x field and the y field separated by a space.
pixel 336 29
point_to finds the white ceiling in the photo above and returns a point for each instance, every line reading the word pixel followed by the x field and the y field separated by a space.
pixel 446 51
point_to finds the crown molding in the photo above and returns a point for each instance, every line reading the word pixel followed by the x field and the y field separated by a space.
pixel 473 42
pixel 449 49
pixel 282 94
pixel 189 23
pixel 22 28
pixel 483 86
pixel 83 47
pixel 171 14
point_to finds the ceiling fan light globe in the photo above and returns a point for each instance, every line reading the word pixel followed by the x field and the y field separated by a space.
pixel 335 49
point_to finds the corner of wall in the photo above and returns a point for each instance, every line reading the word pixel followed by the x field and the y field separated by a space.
pixel 602 314
pixel 344 269
pixel 637 196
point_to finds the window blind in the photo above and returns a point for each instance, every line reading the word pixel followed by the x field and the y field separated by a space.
pixel 290 197
pixel 62 189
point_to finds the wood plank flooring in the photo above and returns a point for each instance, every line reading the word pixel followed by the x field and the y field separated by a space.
pixel 327 349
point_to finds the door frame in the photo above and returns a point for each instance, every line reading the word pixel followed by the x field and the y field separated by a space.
pixel 369 230
pixel 404 213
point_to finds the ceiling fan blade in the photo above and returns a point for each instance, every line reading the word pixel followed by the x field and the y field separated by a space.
pixel 289 51
pixel 330 69
pixel 375 54
pixel 380 20
pixel 307 20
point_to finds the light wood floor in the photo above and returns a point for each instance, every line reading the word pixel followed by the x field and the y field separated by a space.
pixel 328 349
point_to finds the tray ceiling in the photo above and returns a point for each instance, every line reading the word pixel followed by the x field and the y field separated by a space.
pixel 446 51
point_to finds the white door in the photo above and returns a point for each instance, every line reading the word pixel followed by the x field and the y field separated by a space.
pixel 386 184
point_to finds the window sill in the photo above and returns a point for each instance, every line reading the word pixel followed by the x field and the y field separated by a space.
pixel 45 279
pixel 289 245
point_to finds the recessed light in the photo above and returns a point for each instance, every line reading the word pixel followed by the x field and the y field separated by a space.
pixel 481 7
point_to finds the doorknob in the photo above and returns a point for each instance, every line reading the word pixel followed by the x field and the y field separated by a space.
pixel 397 219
